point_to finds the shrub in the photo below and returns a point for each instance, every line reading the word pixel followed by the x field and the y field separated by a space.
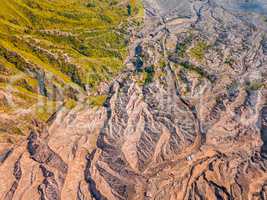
pixel 199 50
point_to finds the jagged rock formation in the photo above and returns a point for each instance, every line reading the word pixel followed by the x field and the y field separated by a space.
pixel 187 119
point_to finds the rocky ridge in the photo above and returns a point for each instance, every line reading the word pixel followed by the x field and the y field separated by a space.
pixel 185 120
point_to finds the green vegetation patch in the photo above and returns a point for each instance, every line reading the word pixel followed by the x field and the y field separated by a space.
pixel 255 85
pixel 97 101
pixel 62 47
pixel 146 75
pixel 199 50
pixel 201 72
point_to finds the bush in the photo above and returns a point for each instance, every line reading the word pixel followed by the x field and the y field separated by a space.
pixel 199 50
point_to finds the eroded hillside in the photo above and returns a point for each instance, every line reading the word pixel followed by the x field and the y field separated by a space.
pixel 185 119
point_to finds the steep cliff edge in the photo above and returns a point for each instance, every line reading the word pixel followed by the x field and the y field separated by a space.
pixel 186 119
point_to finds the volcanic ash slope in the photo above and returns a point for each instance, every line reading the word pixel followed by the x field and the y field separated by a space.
pixel 187 119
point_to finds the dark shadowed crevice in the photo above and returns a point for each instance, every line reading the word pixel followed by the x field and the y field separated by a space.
pixel 91 183
pixel 4 155
pixel 17 173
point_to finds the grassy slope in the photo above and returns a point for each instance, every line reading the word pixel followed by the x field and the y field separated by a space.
pixel 57 50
